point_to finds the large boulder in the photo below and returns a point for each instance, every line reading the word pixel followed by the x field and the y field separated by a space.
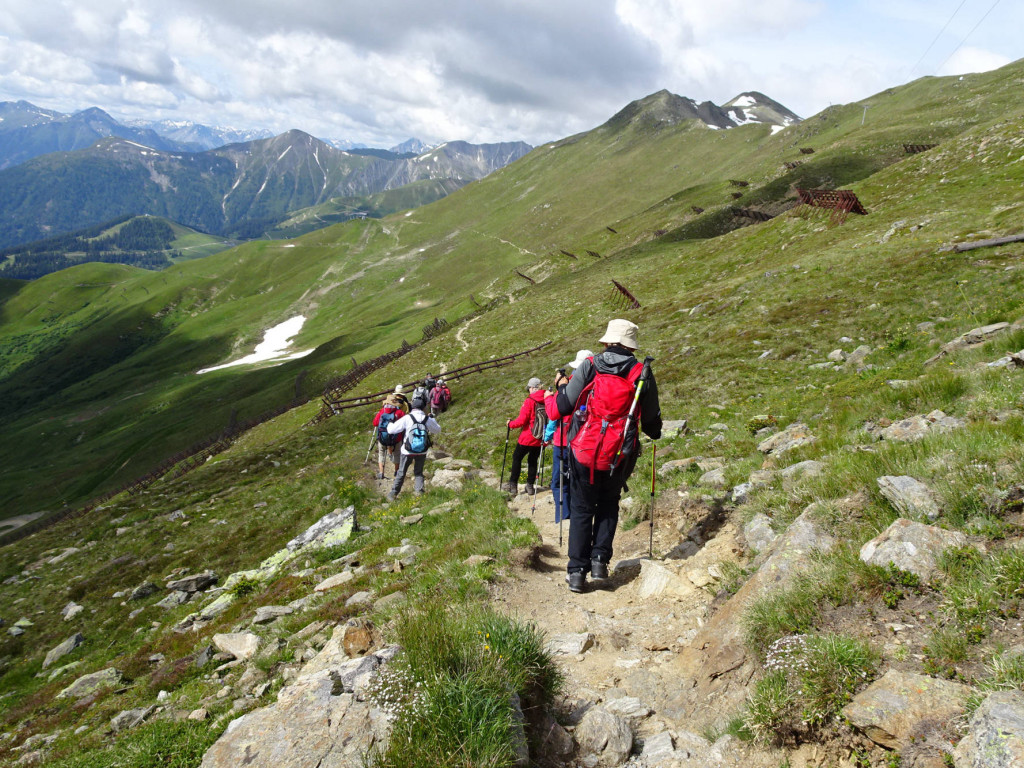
pixel 791 437
pixel 900 705
pixel 911 546
pixel 195 583
pixel 715 667
pixel 322 718
pixel 995 736
pixel 241 645
pixel 452 479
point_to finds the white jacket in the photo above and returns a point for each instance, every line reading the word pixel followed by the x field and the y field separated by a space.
pixel 406 423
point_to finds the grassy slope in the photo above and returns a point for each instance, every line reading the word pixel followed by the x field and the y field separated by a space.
pixel 793 286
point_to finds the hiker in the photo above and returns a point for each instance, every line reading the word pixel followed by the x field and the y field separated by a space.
pixel 391 411
pixel 557 435
pixel 531 414
pixel 441 397
pixel 599 395
pixel 403 401
pixel 418 427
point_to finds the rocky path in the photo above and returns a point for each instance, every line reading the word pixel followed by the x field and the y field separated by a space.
pixel 617 643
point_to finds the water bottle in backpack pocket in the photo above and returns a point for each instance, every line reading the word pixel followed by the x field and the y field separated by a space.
pixel 417 438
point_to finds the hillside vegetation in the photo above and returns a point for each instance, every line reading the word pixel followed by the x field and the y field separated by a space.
pixel 97 384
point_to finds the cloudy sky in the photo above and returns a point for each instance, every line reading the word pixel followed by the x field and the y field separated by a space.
pixel 479 70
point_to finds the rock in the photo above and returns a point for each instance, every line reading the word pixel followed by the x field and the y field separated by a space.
pixel 331 529
pixel 569 644
pixel 89 684
pixel 173 600
pixel 791 437
pixel 204 656
pixel 474 560
pixel 176 515
pixel 241 645
pixel 668 467
pixel 71 610
pixel 452 479
pixel 855 360
pixel 605 737
pixel 63 649
pixel 673 428
pixel 58 559
pixel 715 478
pixel 808 468
pixel 995 735
pixel 658 579
pixel 911 546
pixel 658 749
pixel 411 519
pixel 318 719
pixel 357 637
pixel 268 613
pixel 917 427
pixel 360 598
pixel 389 601
pixel 198 582
pixel 198 714
pixel 555 741
pixel 130 718
pixel 706 465
pixel 896 705
pixel 837 356
pixel 759 532
pixel 910 497
pixel 761 478
pixel 336 580
pixel 143 591
pixel 973 338
pixel 628 707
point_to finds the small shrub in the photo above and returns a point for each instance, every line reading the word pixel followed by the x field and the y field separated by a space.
pixel 246 586
pixel 757 423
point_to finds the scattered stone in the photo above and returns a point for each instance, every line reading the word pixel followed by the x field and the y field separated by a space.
pixel 58 559
pixel 911 546
pixel 198 714
pixel 894 707
pixel 474 560
pixel 995 735
pixel 837 356
pixel 973 338
pixel 204 656
pixel 628 707
pixel 268 613
pixel 604 737
pixel 791 437
pixel 740 494
pixel 198 582
pixel 759 533
pixel 359 598
pixel 668 467
pixel 659 579
pixel 91 683
pixel 569 644
pixel 336 580
pixel 143 591
pixel 389 601
pixel 63 649
pixel 910 497
pixel 176 515
pixel 411 519
pixel 714 478
pixel 673 428
pixel 808 468
pixel 173 600
pixel 855 360
pixel 333 528
pixel 916 427
pixel 357 637
pixel 241 645
pixel 452 479
pixel 761 478
pixel 130 718
pixel 71 610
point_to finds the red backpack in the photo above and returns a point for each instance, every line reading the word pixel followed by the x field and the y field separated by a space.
pixel 606 401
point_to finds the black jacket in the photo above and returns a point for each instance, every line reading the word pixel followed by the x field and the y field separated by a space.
pixel 618 361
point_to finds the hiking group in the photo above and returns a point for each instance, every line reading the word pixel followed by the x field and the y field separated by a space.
pixel 402 430
pixel 592 418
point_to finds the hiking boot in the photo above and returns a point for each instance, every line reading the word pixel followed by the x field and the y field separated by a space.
pixel 511 488
pixel 577 581
pixel 530 489
pixel 598 570
pixel 380 475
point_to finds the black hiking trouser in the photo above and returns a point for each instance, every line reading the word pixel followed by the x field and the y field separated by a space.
pixel 532 454
pixel 593 515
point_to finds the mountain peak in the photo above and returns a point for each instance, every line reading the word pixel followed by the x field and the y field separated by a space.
pixel 755 107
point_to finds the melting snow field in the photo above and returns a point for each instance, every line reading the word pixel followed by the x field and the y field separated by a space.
pixel 275 342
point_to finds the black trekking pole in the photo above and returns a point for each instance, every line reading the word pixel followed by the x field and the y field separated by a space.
pixel 538 481
pixel 654 473
pixel 561 479
pixel 508 431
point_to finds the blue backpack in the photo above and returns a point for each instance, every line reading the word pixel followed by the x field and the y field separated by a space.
pixel 387 416
pixel 417 439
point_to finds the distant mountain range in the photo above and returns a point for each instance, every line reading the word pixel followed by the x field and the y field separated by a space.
pixel 239 190
pixel 667 108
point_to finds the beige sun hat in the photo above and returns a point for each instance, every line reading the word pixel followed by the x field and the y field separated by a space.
pixel 621 332
pixel 582 355
pixel 399 389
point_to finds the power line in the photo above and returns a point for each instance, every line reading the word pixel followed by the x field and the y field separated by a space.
pixel 968 35
pixel 932 43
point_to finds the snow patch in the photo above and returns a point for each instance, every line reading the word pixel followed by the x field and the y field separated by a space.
pixel 744 101
pixel 275 342
pixel 777 128
pixel 286 151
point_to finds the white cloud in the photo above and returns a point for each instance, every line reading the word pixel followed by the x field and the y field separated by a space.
pixel 967 60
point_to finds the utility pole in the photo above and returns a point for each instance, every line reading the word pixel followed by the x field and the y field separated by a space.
pixel 862 117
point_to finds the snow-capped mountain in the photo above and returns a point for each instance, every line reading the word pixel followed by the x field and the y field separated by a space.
pixel 754 107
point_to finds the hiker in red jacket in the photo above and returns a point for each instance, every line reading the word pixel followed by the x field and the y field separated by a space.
pixel 529 444
pixel 391 411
